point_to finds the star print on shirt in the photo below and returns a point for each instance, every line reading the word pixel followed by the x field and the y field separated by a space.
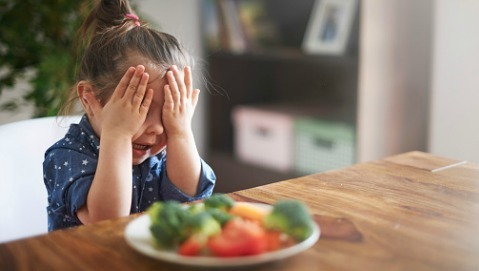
pixel 84 162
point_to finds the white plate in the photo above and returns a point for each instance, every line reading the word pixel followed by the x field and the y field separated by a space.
pixel 138 236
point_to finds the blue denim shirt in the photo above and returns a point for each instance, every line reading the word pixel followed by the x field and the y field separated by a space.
pixel 70 165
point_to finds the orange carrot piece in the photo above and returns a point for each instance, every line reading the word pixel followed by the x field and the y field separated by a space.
pixel 248 211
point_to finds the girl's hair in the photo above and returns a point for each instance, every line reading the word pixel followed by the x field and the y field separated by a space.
pixel 111 35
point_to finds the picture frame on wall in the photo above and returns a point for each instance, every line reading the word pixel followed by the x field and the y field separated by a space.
pixel 329 27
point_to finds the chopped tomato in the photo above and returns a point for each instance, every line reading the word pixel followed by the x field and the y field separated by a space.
pixel 190 247
pixel 273 241
pixel 239 237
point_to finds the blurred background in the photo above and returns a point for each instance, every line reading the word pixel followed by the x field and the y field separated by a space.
pixel 283 96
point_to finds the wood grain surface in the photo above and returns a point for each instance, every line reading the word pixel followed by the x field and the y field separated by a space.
pixel 412 211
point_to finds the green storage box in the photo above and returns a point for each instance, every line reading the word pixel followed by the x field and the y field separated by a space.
pixel 322 145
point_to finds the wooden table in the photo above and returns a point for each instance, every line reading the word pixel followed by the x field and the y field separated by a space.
pixel 412 211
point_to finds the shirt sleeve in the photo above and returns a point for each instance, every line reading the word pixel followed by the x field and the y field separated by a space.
pixel 205 187
pixel 68 178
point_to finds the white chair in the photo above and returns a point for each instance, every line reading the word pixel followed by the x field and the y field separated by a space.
pixel 23 196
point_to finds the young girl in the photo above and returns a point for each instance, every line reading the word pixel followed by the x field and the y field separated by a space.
pixel 135 85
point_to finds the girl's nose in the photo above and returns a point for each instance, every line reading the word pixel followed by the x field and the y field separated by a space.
pixel 154 124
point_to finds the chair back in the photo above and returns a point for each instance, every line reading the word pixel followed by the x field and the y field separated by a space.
pixel 23 196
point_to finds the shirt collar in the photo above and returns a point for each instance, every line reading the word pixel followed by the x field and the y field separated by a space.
pixel 86 127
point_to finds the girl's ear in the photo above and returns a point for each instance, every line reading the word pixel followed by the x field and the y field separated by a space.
pixel 86 94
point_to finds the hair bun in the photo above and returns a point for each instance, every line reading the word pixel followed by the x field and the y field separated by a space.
pixel 111 13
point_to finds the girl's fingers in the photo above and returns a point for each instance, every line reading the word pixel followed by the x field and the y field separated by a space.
pixel 169 103
pixel 180 81
pixel 134 81
pixel 122 86
pixel 173 87
pixel 139 94
pixel 188 82
pixel 194 97
pixel 145 105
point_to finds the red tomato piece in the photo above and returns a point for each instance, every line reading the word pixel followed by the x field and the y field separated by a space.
pixel 190 247
pixel 238 238
pixel 273 241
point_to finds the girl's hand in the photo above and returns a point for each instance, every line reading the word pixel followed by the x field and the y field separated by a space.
pixel 183 163
pixel 118 121
pixel 128 106
pixel 180 102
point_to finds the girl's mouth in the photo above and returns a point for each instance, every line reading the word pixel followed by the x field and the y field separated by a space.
pixel 140 147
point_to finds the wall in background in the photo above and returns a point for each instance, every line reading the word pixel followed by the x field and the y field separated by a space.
pixel 394 77
pixel 418 78
pixel 454 130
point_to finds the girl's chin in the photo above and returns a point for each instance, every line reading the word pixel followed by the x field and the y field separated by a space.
pixel 139 156
pixel 137 161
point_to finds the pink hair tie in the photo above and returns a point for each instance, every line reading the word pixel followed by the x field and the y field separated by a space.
pixel 133 17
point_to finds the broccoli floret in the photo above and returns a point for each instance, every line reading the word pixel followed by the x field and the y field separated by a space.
pixel 219 201
pixel 219 215
pixel 167 219
pixel 202 225
pixel 291 217
pixel 196 208
pixel 154 210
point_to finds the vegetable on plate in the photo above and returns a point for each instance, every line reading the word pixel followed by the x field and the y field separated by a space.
pixel 222 227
